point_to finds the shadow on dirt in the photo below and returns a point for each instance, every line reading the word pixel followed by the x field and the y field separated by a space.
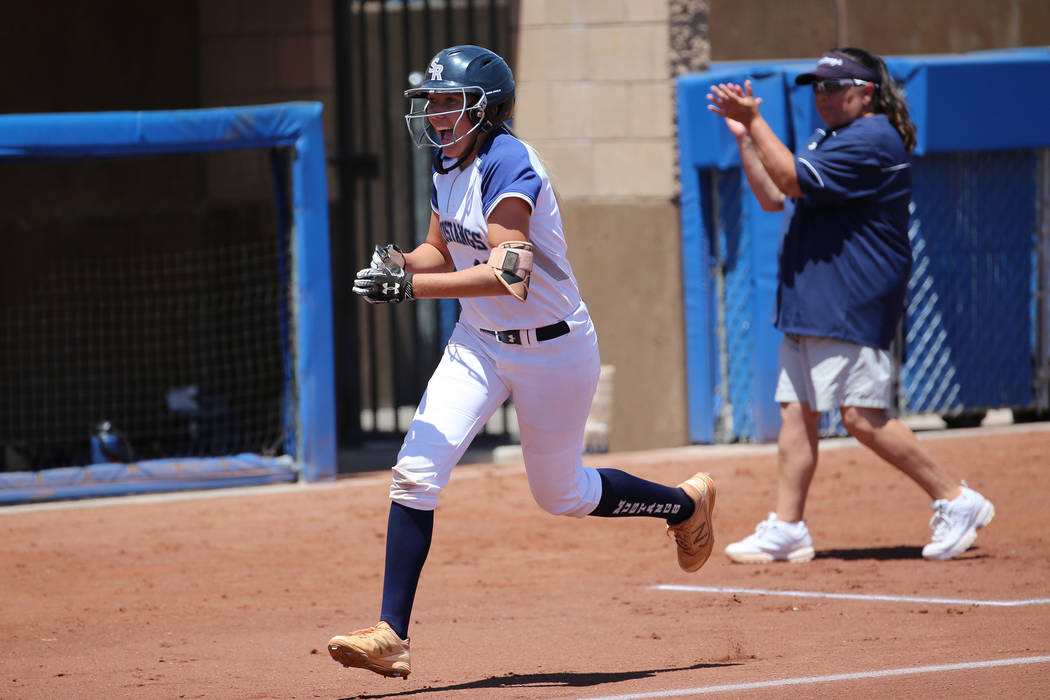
pixel 541 680
pixel 878 553
pixel 888 553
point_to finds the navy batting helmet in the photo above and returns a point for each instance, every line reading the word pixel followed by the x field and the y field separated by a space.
pixel 481 76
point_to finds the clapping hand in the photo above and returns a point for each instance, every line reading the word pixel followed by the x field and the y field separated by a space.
pixel 738 105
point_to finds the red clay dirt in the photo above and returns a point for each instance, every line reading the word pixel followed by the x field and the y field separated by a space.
pixel 234 594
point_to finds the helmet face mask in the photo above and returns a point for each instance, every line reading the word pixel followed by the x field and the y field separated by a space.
pixel 481 77
pixel 421 129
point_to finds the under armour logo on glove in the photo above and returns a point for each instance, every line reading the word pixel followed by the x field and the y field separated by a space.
pixel 384 286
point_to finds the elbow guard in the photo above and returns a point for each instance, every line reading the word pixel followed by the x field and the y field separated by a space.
pixel 512 264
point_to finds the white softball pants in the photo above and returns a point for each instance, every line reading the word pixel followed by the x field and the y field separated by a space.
pixel 552 383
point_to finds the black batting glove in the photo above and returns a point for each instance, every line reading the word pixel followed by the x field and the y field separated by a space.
pixel 385 286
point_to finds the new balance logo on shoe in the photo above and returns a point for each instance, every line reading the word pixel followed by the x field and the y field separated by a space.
pixel 702 535
pixel 377 649
pixel 694 536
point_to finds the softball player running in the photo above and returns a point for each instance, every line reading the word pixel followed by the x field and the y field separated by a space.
pixel 496 243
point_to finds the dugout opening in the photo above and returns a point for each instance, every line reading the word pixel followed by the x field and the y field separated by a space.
pixel 149 296
pixel 165 319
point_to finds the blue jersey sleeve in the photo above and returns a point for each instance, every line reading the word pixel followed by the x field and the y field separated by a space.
pixel 507 171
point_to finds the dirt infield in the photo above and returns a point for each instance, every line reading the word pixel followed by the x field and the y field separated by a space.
pixel 234 594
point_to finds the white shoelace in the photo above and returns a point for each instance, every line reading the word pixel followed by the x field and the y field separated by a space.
pixel 939 523
pixel 765 532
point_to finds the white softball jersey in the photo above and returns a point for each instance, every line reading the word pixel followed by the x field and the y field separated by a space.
pixel 463 200
pixel 552 381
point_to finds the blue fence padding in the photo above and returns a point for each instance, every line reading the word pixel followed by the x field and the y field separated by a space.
pixel 941 93
pixel 951 115
pixel 68 134
pixel 749 328
pixel 315 351
pixel 941 98
pixel 763 358
pixel 296 125
pixel 152 476
pixel 703 140
pixel 765 232
pixel 698 302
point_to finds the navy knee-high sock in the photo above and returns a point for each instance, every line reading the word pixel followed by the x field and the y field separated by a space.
pixel 625 495
pixel 408 535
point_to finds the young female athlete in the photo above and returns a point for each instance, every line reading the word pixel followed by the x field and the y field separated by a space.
pixel 495 242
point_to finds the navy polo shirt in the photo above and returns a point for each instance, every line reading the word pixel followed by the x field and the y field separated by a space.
pixel 844 254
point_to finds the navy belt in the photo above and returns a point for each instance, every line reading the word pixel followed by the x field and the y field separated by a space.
pixel 555 330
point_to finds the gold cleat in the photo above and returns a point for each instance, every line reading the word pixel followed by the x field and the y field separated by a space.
pixel 377 649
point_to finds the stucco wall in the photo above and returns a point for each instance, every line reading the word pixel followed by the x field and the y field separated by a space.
pixel 769 29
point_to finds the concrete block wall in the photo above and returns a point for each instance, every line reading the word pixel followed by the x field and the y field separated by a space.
pixel 595 95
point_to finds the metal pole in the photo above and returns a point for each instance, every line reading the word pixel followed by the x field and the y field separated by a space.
pixel 347 371
pixel 841 27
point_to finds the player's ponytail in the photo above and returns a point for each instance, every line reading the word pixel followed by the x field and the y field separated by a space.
pixel 888 99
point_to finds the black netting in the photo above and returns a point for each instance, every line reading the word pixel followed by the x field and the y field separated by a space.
pixel 169 326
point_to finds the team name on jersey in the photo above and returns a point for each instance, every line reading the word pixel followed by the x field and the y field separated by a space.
pixel 453 232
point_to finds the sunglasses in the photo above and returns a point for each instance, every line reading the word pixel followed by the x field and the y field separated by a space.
pixel 834 86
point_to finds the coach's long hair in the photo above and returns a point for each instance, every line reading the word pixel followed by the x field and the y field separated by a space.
pixel 888 99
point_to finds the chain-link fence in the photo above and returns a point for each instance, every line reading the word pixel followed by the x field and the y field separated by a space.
pixel 734 290
pixel 970 315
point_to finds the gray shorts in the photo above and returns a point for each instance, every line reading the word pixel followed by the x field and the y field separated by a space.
pixel 826 373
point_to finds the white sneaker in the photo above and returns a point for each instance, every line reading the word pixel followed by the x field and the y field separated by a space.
pixel 955 523
pixel 774 539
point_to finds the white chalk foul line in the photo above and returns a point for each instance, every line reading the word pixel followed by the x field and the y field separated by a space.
pixel 829 679
pixel 855 596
